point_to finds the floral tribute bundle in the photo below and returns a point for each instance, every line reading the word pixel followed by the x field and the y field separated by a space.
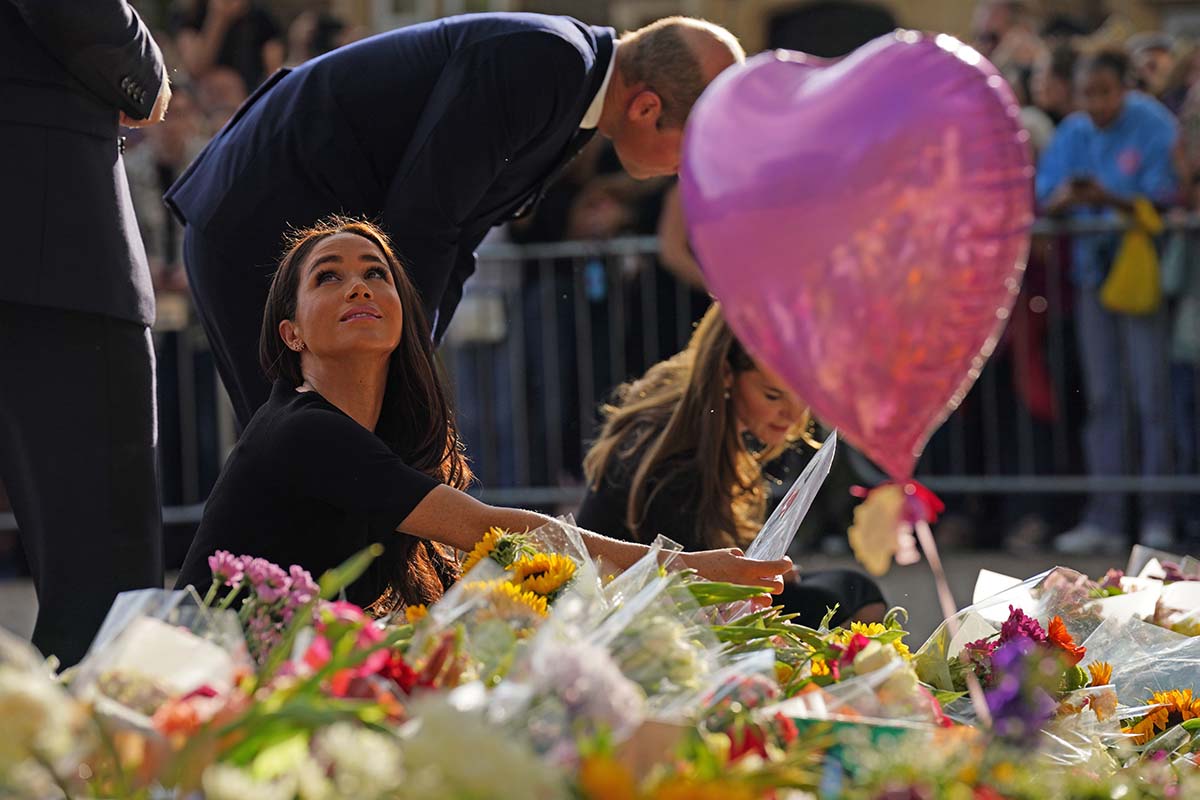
pixel 534 677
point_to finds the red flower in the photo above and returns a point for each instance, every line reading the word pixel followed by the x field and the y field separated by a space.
pixel 399 672
pixel 747 738
pixel 786 729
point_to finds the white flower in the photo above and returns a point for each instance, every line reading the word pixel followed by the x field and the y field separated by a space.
pixel 225 782
pixel 455 755
pixel 364 764
pixel 873 657
pixel 37 716
pixel 585 679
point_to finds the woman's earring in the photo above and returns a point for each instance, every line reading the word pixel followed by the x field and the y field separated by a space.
pixel 728 394
pixel 298 347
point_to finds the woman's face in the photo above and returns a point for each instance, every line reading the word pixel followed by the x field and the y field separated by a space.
pixel 346 304
pixel 765 408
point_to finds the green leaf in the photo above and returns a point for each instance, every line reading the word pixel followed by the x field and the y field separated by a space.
pixel 896 618
pixel 708 593
pixel 338 578
pixel 944 697
pixel 829 615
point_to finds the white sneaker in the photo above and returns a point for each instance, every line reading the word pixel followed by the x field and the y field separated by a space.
pixel 1157 535
pixel 1086 538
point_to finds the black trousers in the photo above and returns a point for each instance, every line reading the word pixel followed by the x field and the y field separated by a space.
pixel 230 295
pixel 77 456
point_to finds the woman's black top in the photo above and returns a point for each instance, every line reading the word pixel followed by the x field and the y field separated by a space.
pixel 671 511
pixel 306 485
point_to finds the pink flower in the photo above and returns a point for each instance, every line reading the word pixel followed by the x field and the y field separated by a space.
pixel 226 566
pixel 268 580
pixel 303 588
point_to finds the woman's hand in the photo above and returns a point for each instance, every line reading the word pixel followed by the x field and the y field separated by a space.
pixel 730 565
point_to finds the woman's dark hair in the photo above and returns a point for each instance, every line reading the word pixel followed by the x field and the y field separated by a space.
pixel 676 423
pixel 416 421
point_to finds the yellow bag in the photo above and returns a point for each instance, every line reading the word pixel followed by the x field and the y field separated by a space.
pixel 1133 285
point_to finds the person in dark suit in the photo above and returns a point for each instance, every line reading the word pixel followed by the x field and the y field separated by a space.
pixel 77 423
pixel 438 131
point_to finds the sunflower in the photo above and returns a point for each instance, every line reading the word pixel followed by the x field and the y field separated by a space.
pixel 415 614
pixel 1057 634
pixel 483 548
pixel 873 629
pixel 542 573
pixel 1173 707
pixel 1101 672
pixel 507 597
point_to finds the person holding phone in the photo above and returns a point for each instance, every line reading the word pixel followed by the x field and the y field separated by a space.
pixel 1117 148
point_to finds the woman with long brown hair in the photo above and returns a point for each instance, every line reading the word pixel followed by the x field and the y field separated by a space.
pixel 672 458
pixel 357 443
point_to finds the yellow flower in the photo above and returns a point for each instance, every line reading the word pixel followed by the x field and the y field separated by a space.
pixel 542 573
pixel 602 778
pixel 875 629
pixel 483 548
pixel 1004 772
pixel 1101 672
pixel 818 667
pixel 507 597
pixel 688 789
pixel 415 614
pixel 1174 707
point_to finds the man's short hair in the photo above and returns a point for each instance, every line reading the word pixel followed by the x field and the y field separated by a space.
pixel 1115 61
pixel 660 57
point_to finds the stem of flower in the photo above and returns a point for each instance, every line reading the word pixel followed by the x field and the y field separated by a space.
pixel 229 598
pixel 212 592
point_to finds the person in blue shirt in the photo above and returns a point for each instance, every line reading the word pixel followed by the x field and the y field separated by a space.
pixel 1119 146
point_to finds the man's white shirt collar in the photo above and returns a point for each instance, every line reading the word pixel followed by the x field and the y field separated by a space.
pixel 592 118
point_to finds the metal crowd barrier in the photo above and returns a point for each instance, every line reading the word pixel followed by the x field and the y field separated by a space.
pixel 546 331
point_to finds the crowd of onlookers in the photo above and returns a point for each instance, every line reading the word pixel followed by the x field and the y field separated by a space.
pixel 1085 389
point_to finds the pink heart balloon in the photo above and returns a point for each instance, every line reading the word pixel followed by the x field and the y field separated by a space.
pixel 865 225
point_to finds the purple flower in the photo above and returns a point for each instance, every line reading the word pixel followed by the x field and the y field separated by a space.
pixel 1112 579
pixel 227 567
pixel 1018 700
pixel 1019 625
pixel 268 580
pixel 303 588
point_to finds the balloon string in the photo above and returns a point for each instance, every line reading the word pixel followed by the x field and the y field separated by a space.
pixel 950 613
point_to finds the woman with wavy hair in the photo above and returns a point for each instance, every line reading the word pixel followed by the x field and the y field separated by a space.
pixel 357 443
pixel 681 454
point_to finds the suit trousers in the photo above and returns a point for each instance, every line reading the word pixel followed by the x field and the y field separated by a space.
pixel 77 456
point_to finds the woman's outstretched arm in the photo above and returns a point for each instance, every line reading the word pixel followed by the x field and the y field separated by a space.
pixel 456 519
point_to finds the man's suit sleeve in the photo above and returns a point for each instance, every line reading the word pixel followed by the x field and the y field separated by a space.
pixel 104 44
pixel 494 99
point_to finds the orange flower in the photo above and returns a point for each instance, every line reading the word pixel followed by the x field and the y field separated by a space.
pixel 1057 634
pixel 1101 672
pixel 601 778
